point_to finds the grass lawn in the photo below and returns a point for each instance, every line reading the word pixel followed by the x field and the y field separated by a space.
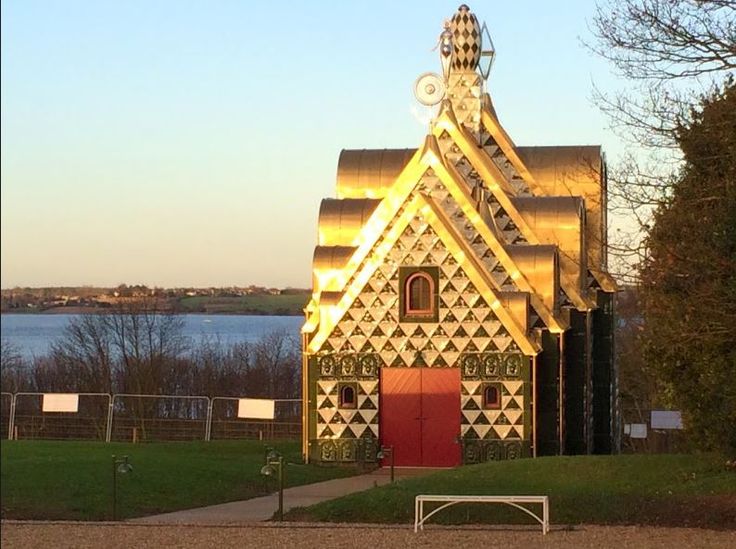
pixel 672 490
pixel 73 480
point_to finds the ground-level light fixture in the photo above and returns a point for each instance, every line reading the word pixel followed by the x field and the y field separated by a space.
pixel 387 452
pixel 120 465
pixel 275 467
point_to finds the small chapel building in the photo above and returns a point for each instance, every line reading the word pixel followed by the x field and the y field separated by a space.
pixel 461 309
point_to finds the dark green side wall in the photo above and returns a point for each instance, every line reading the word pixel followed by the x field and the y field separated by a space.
pixel 604 378
pixel 548 364
pixel 575 384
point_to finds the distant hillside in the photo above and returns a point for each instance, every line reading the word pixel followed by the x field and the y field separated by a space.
pixel 250 304
pixel 253 300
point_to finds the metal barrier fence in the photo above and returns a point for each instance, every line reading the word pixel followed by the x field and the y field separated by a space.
pixel 225 423
pixel 144 418
pixel 5 405
pixel 29 421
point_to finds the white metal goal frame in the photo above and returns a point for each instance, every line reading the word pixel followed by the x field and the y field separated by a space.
pixel 514 501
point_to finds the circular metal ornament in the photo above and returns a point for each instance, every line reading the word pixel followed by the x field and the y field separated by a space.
pixel 429 89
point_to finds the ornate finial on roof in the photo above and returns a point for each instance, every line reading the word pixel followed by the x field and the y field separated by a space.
pixel 466 39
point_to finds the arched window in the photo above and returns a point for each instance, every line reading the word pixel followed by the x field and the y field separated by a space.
pixel 491 397
pixel 418 294
pixel 347 396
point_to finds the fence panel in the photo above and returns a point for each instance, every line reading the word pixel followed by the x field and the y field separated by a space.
pixel 657 441
pixel 225 424
pixel 88 423
pixel 5 409
pixel 145 418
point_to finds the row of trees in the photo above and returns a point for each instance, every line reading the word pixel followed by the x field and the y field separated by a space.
pixel 138 350
pixel 678 191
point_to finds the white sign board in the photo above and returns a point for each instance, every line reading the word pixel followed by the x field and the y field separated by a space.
pixel 664 419
pixel 627 428
pixel 60 402
pixel 638 430
pixel 255 408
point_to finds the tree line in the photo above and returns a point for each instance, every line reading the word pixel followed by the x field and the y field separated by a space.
pixel 137 349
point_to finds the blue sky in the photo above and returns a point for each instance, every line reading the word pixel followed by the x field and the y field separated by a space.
pixel 179 143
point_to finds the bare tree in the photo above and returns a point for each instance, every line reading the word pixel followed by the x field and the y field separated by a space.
pixel 671 53
pixel 13 368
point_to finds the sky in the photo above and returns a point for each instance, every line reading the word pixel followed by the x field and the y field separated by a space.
pixel 189 143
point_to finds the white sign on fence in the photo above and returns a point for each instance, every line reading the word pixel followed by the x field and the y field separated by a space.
pixel 664 419
pixel 60 402
pixel 255 408
pixel 638 430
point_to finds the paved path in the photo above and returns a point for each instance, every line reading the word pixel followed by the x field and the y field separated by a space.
pixel 264 535
pixel 263 508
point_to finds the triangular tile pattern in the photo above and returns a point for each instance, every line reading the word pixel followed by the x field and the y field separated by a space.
pixel 503 224
pixel 504 164
pixel 335 422
pixel 466 321
pixel 465 227
pixel 506 423
pixel 464 91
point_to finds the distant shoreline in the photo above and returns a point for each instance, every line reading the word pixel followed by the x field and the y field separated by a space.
pixel 101 311
pixel 264 303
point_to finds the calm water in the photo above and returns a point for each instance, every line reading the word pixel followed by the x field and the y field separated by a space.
pixel 33 334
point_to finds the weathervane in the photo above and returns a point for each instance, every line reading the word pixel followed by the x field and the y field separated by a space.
pixel 430 88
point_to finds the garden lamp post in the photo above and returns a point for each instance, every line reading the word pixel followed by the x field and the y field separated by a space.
pixel 119 465
pixel 387 452
pixel 275 466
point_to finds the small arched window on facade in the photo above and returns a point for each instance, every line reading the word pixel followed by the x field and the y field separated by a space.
pixel 348 398
pixel 492 396
pixel 418 294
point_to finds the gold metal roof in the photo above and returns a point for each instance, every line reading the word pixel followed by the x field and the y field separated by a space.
pixel 369 173
pixel 327 263
pixel 340 220
pixel 574 171
pixel 540 265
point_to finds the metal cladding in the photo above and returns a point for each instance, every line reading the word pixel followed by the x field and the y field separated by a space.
pixel 340 220
pixel 541 265
pixel 462 270
pixel 559 220
pixel 466 40
pixel 367 173
pixel 575 171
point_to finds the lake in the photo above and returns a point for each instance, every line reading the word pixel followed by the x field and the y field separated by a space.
pixel 32 334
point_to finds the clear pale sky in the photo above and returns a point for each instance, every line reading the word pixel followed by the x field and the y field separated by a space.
pixel 188 143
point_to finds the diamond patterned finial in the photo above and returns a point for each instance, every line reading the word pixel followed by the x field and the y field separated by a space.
pixel 466 39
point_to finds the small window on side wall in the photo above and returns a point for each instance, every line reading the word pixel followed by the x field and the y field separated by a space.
pixel 492 396
pixel 348 395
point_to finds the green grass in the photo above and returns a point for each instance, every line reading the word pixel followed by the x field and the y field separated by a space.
pixel 674 490
pixel 72 480
pixel 288 304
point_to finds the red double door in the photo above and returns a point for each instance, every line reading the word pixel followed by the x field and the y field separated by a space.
pixel 420 415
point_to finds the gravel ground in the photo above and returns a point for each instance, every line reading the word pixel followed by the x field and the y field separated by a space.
pixel 78 535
